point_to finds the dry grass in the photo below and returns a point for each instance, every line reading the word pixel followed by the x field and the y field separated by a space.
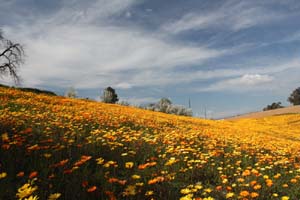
pixel 256 115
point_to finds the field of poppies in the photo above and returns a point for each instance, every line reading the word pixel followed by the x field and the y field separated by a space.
pixel 59 148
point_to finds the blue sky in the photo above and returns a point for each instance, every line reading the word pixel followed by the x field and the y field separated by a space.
pixel 228 57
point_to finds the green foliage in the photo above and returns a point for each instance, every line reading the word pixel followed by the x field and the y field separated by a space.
pixel 294 98
pixel 110 95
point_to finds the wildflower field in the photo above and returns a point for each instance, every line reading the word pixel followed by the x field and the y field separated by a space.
pixel 59 148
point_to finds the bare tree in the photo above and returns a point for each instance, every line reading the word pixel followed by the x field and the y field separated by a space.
pixel 71 93
pixel 11 57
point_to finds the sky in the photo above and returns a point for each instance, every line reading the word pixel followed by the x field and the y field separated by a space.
pixel 227 56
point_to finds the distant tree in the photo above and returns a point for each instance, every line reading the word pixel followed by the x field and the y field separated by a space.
pixel 71 93
pixel 165 105
pixel 179 110
pixel 294 98
pixel 11 56
pixel 150 106
pixel 273 106
pixel 109 95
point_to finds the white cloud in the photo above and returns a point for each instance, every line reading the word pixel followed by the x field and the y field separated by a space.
pixel 251 79
pixel 246 82
pixel 124 85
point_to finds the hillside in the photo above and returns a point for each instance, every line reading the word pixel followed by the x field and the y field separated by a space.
pixel 58 148
pixel 255 115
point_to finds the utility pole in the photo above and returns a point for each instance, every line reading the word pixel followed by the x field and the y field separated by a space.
pixel 190 103
pixel 205 112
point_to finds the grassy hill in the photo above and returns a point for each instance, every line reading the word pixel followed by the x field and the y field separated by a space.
pixel 59 148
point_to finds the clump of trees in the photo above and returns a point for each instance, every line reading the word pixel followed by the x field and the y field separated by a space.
pixel 273 106
pixel 109 95
pixel 165 105
pixel 294 98
pixel 11 57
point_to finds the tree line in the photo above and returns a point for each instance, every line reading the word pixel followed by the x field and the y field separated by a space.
pixel 294 99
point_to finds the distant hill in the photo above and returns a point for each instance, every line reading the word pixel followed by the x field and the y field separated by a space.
pixel 33 90
pixel 279 111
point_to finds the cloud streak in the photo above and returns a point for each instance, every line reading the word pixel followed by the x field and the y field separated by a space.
pixel 233 15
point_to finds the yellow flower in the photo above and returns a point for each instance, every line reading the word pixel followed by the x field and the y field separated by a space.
pixel 171 161
pixel 129 165
pixel 149 193
pixel 25 191
pixel 185 191
pixel 266 177
pixel 32 198
pixel 187 197
pixel 139 184
pixel 135 176
pixel 54 196
pixel 198 186
pixel 208 198
pixel 47 155
pixel 285 198
pixel 130 190
pixel 3 175
pixel 100 161
pixel 208 190
pixel 229 195
pixel 5 137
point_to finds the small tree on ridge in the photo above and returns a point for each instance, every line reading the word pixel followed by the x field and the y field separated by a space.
pixel 110 95
pixel 294 98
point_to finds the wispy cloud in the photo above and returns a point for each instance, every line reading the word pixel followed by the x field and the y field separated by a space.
pixel 64 48
pixel 232 15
